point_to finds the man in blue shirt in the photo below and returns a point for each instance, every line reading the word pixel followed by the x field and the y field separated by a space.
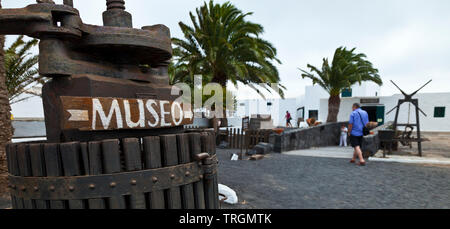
pixel 358 120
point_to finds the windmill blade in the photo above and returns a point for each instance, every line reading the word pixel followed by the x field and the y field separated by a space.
pixel 421 88
pixel 404 93
pixel 393 109
pixel 423 112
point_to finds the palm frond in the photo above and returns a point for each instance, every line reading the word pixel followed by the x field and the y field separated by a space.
pixel 347 68
pixel 20 69
pixel 223 46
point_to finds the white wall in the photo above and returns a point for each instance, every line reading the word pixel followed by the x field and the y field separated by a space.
pixel 311 99
pixel 366 89
pixel 277 110
pixel 31 108
pixel 286 105
pixel 314 94
pixel 427 102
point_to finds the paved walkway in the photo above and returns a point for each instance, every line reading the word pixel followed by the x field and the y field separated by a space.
pixel 303 182
pixel 347 152
pixel 328 152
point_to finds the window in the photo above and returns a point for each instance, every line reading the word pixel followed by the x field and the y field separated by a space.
pixel 314 114
pixel 346 93
pixel 439 112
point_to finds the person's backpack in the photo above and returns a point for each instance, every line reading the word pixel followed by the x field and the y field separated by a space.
pixel 366 130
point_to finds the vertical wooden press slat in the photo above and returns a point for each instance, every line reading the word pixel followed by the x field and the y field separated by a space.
pixel 170 158
pixel 23 159
pixel 70 156
pixel 38 169
pixel 195 148
pixel 94 153
pixel 152 157
pixel 84 158
pixel 111 164
pixel 215 179
pixel 187 191
pixel 133 162
pixel 208 183
pixel 54 169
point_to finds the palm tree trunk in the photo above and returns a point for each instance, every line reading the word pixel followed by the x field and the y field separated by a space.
pixel 334 102
pixel 222 80
pixel 224 119
pixel 5 115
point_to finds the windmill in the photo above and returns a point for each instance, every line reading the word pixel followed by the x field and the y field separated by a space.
pixel 405 138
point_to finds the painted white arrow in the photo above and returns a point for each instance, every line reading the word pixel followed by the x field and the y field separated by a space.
pixel 78 115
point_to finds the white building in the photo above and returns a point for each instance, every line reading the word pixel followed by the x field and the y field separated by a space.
pixel 435 105
pixel 309 105
pixel 275 107
pixel 315 104
pixel 303 107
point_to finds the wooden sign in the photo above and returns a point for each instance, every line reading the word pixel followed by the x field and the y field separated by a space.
pixel 370 100
pixel 90 114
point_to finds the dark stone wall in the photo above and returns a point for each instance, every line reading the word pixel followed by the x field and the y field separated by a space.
pixel 371 143
pixel 321 136
pixel 296 139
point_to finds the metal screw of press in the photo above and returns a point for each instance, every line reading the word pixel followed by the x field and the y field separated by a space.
pixel 68 3
pixel 115 4
pixel 115 14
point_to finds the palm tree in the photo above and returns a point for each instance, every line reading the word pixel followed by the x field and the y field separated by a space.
pixel 347 69
pixel 21 71
pixel 223 47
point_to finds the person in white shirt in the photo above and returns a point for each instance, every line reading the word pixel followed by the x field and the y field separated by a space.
pixel 344 134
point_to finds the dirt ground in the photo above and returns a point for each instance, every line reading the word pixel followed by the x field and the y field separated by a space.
pixel 437 147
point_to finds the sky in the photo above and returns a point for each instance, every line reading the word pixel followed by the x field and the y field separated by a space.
pixel 407 40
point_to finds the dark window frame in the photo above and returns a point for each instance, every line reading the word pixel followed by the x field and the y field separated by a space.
pixel 303 112
pixel 439 112
pixel 313 111
pixel 347 93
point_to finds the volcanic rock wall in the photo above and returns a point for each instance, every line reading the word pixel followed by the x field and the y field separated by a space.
pixel 320 136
